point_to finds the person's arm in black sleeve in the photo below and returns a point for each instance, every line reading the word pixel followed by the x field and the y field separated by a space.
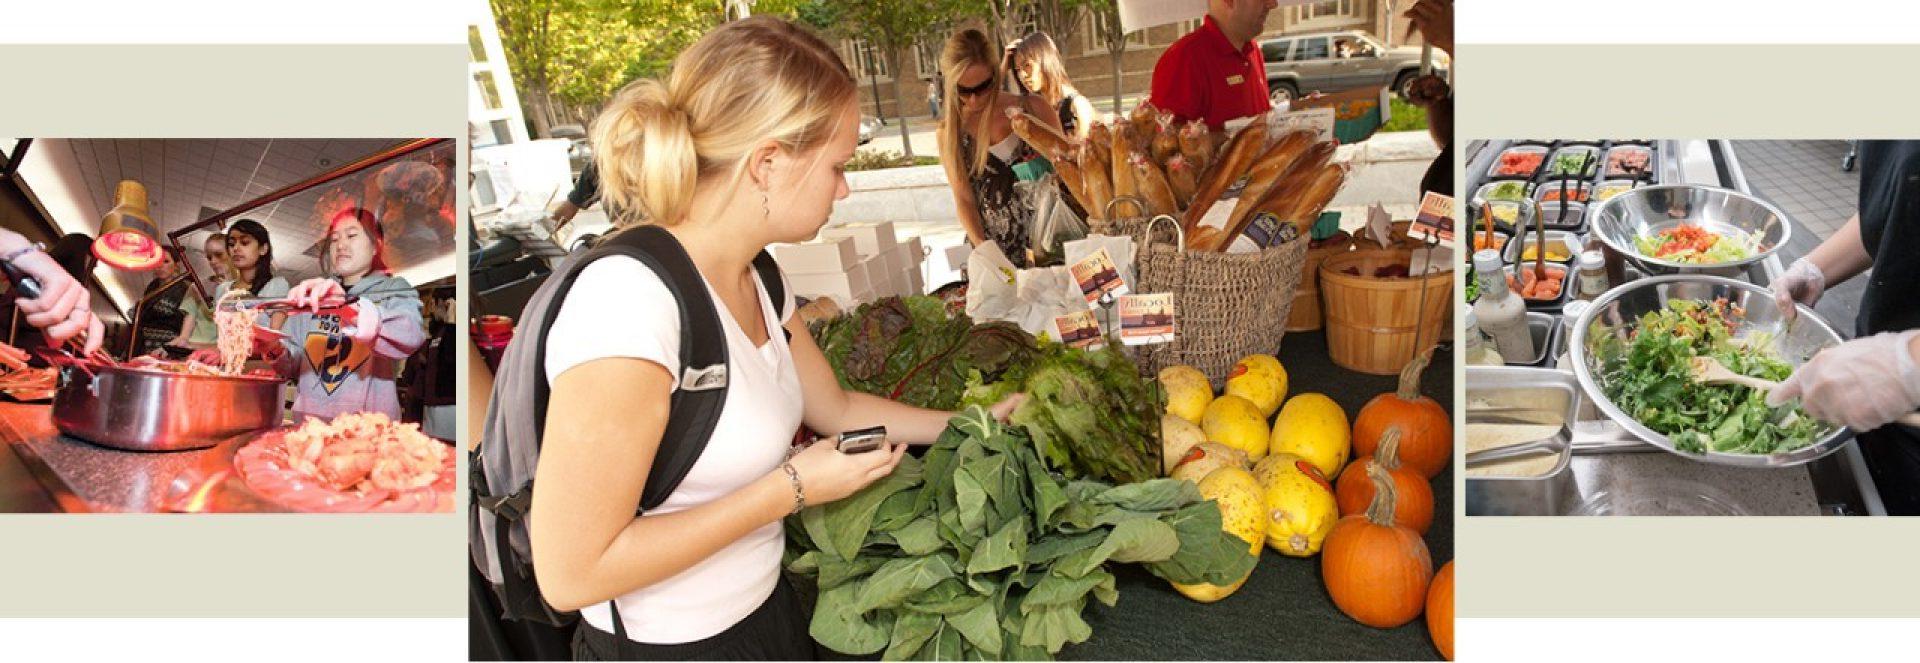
pixel 586 192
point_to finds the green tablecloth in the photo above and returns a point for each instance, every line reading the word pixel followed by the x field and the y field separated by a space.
pixel 1283 612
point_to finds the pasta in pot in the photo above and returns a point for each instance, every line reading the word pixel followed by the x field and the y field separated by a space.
pixel 236 333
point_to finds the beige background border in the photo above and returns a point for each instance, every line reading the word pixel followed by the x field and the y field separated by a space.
pixel 1686 567
pixel 235 565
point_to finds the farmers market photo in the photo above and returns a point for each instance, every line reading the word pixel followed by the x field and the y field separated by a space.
pixel 1014 330
pixel 227 325
pixel 1692 327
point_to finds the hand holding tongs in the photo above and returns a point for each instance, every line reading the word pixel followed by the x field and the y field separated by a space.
pixel 281 304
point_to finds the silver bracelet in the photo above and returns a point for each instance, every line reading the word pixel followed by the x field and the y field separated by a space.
pixel 799 495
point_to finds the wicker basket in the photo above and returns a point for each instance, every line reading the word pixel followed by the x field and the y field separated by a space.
pixel 1305 315
pixel 1227 305
pixel 1372 322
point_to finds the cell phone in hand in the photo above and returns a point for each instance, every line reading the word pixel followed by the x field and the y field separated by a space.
pixel 863 440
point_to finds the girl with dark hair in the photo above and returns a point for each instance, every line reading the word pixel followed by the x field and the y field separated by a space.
pixel 250 253
pixel 1036 66
pixel 347 362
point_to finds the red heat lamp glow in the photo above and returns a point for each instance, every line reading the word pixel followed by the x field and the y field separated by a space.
pixel 127 233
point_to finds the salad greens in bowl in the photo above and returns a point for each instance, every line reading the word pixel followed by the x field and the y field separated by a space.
pixel 1632 350
pixel 1690 229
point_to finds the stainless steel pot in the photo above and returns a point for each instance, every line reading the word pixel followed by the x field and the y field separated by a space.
pixel 148 410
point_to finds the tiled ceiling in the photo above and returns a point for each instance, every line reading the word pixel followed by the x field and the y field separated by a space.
pixel 186 178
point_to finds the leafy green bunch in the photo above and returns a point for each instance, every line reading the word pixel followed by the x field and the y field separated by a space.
pixel 1650 377
pixel 1089 411
pixel 977 552
pixel 910 350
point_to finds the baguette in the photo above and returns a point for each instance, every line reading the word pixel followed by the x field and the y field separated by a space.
pixel 1166 141
pixel 1039 134
pixel 1094 180
pixel 1196 144
pixel 1144 120
pixel 1235 158
pixel 1184 178
pixel 1153 187
pixel 1302 210
pixel 1071 176
pixel 1202 238
pixel 1295 155
pixel 1120 159
pixel 1278 199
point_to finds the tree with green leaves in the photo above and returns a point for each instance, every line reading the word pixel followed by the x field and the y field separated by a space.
pixel 893 27
pixel 578 52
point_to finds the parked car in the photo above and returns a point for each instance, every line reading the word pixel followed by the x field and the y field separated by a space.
pixel 579 154
pixel 1338 61
pixel 869 127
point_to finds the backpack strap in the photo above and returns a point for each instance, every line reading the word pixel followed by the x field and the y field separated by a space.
pixel 769 272
pixel 696 403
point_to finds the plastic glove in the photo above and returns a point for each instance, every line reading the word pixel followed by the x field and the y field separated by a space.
pixel 311 292
pixel 1803 282
pixel 208 356
pixel 1862 384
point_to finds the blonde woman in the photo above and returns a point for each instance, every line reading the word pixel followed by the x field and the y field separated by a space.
pixel 978 146
pixel 1037 66
pixel 743 145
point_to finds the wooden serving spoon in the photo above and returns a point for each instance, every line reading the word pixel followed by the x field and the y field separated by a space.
pixel 1707 370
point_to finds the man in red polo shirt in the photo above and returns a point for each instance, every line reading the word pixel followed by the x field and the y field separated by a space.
pixel 1216 72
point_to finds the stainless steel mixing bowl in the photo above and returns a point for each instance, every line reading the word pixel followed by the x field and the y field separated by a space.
pixel 1650 209
pixel 1618 311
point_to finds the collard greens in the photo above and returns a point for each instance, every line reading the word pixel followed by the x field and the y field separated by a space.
pixel 977 552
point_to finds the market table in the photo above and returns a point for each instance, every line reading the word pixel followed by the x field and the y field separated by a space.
pixel 1283 612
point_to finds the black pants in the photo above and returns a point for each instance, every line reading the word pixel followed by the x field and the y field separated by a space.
pixel 1893 459
pixel 776 631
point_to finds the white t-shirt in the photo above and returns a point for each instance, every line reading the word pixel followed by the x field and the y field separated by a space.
pixel 620 308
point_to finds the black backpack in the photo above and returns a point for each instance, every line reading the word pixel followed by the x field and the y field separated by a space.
pixel 502 468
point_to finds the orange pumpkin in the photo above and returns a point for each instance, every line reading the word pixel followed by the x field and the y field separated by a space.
pixel 1440 611
pixel 1414 506
pixel 1376 571
pixel 1426 430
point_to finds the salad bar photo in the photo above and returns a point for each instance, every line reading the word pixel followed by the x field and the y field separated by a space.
pixel 1622 339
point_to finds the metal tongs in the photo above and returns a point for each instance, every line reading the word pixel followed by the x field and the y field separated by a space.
pixel 281 304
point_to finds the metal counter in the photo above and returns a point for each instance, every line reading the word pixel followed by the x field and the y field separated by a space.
pixel 42 470
pixel 1835 485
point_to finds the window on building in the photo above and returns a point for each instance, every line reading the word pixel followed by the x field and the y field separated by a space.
pixel 1331 9
pixel 502 132
pixel 488 93
pixel 1312 49
pixel 928 53
pixel 867 61
pixel 1095 35
pixel 476 50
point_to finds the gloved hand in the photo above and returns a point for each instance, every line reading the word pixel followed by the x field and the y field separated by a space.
pixel 208 356
pixel 1862 384
pixel 1802 283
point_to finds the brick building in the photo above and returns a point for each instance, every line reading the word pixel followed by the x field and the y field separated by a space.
pixel 1090 64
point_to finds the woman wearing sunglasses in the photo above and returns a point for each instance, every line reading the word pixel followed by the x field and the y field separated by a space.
pixel 978 146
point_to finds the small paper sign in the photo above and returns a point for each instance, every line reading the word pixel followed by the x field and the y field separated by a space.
pixel 1080 330
pixel 1436 216
pixel 1097 276
pixel 1267 231
pixel 1379 224
pixel 1146 319
pixel 1319 120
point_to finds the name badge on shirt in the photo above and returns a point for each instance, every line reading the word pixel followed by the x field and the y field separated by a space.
pixel 1236 79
